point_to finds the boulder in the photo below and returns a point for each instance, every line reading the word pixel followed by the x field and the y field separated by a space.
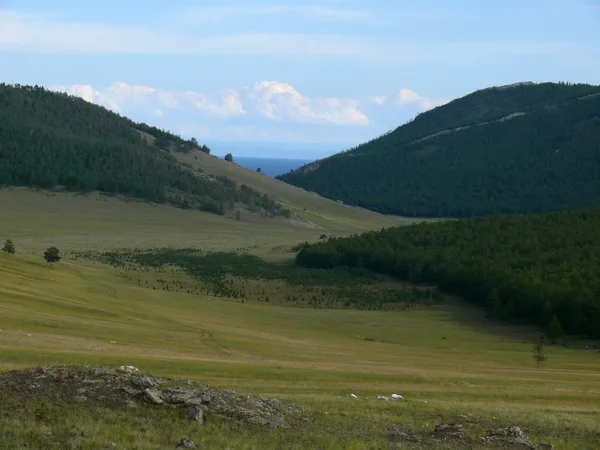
pixel 195 413
pixel 153 396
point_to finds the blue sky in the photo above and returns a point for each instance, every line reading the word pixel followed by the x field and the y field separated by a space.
pixel 306 78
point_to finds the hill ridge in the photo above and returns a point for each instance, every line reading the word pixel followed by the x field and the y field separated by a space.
pixel 471 157
pixel 53 140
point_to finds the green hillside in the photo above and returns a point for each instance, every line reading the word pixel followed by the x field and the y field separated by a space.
pixel 515 149
pixel 538 268
pixel 50 140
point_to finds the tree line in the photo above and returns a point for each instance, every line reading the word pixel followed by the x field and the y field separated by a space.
pixel 50 140
pixel 542 269
pixel 544 158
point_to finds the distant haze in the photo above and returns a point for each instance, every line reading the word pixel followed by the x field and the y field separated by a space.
pixel 271 166
pixel 275 150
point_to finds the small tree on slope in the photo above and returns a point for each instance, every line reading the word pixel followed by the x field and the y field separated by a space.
pixel 538 352
pixel 9 247
pixel 52 255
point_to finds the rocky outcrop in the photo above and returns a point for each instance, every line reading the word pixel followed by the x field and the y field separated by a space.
pixel 127 387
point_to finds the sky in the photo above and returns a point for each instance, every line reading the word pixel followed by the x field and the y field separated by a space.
pixel 286 78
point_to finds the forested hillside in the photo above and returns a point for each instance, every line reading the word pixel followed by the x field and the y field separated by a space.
pixel 515 149
pixel 51 140
pixel 533 267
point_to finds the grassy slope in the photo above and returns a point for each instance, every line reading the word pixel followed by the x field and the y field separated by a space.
pixel 308 205
pixel 314 357
pixel 36 220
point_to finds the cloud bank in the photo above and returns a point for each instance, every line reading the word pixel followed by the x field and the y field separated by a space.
pixel 271 100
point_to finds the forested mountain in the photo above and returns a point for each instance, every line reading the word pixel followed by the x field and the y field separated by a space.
pixel 514 149
pixel 534 267
pixel 51 140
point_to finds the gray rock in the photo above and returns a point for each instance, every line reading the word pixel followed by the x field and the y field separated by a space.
pixel 153 396
pixel 131 404
pixel 514 432
pixel 180 395
pixel 130 390
pixel 194 401
pixel 515 437
pixel 144 382
pixel 448 431
pixel 186 443
pixel 195 413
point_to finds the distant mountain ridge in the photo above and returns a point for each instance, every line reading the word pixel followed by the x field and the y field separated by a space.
pixel 518 148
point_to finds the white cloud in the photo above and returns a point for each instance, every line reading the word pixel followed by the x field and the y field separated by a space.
pixel 120 95
pixel 271 99
pixel 280 101
pixel 407 97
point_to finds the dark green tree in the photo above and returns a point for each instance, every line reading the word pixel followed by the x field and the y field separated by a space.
pixel 555 330
pixel 229 157
pixel 259 170
pixel 52 255
pixel 530 268
pixel 9 247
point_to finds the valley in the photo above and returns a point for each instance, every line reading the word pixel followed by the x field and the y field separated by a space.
pixel 448 367
pixel 180 272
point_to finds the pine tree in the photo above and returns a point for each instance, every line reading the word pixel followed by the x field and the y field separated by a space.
pixel 555 330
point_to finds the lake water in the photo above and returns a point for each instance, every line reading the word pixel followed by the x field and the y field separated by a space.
pixel 270 166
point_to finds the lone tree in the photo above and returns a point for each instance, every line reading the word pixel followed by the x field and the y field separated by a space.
pixel 555 330
pixel 538 351
pixel 9 247
pixel 229 157
pixel 259 170
pixel 52 255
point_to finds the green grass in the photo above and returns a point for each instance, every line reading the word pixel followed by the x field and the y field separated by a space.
pixel 449 356
pixel 313 357
pixel 35 220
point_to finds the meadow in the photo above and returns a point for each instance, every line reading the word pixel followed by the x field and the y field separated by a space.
pixel 449 362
